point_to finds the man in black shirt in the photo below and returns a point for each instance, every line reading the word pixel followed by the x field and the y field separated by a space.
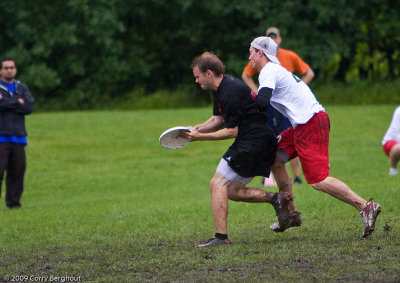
pixel 252 154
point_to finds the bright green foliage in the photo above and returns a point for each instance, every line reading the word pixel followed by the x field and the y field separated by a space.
pixel 79 53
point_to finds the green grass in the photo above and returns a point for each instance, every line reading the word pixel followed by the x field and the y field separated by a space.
pixel 104 201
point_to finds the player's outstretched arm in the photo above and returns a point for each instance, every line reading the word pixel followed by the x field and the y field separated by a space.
pixel 213 124
pixel 223 134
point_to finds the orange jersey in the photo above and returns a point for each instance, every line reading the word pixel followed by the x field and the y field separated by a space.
pixel 288 59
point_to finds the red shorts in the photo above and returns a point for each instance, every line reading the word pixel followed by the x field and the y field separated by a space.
pixel 388 146
pixel 310 142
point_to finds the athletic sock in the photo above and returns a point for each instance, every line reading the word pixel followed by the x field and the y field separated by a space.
pixel 221 236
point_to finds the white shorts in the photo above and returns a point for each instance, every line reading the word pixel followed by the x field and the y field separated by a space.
pixel 225 170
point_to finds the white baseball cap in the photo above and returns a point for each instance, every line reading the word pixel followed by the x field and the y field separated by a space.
pixel 268 46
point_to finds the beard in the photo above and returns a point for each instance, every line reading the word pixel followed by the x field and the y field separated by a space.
pixel 8 78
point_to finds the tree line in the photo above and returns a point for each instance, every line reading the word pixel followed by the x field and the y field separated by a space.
pixel 84 51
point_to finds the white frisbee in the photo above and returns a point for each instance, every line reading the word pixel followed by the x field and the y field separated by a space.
pixel 171 139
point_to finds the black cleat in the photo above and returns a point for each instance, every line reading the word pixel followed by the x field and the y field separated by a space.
pixel 297 180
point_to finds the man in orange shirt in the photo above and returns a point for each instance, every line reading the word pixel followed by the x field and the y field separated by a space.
pixel 294 64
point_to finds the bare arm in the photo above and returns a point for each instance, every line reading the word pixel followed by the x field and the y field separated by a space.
pixel 213 124
pixel 250 82
pixel 223 134
pixel 308 76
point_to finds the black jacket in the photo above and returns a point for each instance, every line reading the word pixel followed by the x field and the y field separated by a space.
pixel 12 113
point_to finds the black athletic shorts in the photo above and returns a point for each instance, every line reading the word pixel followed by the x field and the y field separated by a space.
pixel 250 158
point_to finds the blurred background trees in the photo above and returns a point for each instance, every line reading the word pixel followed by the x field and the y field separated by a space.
pixel 78 53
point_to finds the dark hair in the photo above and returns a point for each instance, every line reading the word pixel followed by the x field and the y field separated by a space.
pixel 209 61
pixel 7 59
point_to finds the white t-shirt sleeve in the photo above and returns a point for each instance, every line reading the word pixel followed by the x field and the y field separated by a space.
pixel 267 79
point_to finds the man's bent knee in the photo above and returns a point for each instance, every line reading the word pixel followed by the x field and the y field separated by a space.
pixel 316 186
pixel 218 181
pixel 320 186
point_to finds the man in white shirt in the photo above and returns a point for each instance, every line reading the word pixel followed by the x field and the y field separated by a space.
pixel 391 142
pixel 308 138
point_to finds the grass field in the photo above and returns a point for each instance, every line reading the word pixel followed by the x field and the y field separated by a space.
pixel 104 202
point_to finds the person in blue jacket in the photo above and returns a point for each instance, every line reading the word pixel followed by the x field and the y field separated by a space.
pixel 16 101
